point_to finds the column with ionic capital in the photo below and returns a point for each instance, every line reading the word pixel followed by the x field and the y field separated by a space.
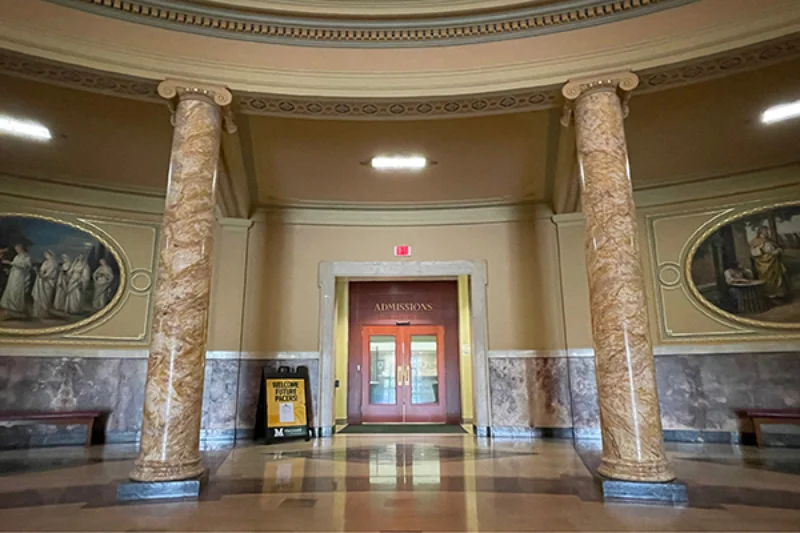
pixel 630 418
pixel 170 441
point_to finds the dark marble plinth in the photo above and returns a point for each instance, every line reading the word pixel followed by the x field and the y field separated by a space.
pixel 324 432
pixel 162 490
pixel 674 492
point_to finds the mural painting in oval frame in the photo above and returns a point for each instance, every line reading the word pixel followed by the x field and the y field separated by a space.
pixel 747 267
pixel 55 276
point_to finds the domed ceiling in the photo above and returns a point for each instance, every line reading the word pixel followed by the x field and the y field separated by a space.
pixel 375 24
pixel 385 51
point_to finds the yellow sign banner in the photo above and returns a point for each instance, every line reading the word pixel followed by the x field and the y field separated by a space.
pixel 286 402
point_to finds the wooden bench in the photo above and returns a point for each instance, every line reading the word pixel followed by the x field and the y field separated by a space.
pixel 770 416
pixel 63 418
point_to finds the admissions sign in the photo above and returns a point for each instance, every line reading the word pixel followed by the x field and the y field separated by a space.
pixel 285 405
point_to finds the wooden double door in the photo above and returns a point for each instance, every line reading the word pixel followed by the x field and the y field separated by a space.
pixel 403 374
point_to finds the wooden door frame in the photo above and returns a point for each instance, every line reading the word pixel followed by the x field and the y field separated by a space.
pixel 401 271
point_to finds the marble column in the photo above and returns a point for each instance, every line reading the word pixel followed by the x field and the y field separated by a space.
pixel 174 391
pixel 630 418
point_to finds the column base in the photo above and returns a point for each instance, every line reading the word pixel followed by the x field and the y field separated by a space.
pixel 162 490
pixel 148 472
pixel 673 492
pixel 642 471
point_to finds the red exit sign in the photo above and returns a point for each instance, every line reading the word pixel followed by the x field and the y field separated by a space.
pixel 402 251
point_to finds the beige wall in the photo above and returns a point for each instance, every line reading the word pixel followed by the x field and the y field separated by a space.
pixel 281 311
pixel 537 293
pixel 670 218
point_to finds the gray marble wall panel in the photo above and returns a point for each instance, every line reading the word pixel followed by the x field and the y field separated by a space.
pixel 117 386
pixel 529 392
pixel 583 386
pixel 697 392
pixel 703 392
pixel 678 380
pixel 511 392
pixel 114 386
pixel 551 395
pixel 219 396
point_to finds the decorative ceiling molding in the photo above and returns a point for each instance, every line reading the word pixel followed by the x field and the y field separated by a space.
pixel 494 25
pixel 707 68
pixel 375 8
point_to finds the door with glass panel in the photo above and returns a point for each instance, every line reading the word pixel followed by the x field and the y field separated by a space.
pixel 403 374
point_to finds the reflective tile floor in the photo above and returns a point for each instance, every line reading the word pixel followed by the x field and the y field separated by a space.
pixel 400 483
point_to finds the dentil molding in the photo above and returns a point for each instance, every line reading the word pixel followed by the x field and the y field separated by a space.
pixel 495 24
pixel 650 80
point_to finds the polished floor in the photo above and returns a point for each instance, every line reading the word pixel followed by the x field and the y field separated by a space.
pixel 396 483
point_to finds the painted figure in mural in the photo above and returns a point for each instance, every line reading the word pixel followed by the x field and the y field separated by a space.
pixel 769 264
pixel 62 284
pixel 79 277
pixel 45 286
pixel 19 279
pixel 738 275
pixel 102 277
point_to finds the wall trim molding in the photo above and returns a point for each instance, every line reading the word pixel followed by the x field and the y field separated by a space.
pixel 82 195
pixel 541 95
pixel 769 179
pixel 663 350
pixel 395 32
pixel 236 355
pixel 404 216
pixel 69 352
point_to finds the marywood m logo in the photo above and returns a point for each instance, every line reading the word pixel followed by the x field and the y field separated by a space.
pixel 279 432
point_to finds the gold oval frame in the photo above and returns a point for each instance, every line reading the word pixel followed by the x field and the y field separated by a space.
pixel 123 282
pixel 701 237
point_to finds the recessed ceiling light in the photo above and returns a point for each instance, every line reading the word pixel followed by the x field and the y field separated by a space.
pixel 399 162
pixel 27 129
pixel 781 112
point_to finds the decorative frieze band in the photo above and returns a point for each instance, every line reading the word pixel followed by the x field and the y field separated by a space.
pixel 650 80
pixel 439 30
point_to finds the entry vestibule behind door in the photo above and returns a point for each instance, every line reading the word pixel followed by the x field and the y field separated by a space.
pixel 402 374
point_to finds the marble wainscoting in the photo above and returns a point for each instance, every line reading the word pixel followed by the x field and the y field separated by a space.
pixel 116 386
pixel 112 385
pixel 700 393
pixel 530 395
pixel 554 393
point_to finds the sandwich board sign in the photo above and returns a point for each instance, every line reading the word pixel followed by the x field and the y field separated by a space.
pixel 284 405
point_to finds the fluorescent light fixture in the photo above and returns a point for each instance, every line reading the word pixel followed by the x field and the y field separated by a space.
pixel 27 129
pixel 781 112
pixel 399 162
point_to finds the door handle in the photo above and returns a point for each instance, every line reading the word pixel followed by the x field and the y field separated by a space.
pixel 408 375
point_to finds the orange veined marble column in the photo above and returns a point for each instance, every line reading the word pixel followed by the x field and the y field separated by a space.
pixel 630 417
pixel 170 441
